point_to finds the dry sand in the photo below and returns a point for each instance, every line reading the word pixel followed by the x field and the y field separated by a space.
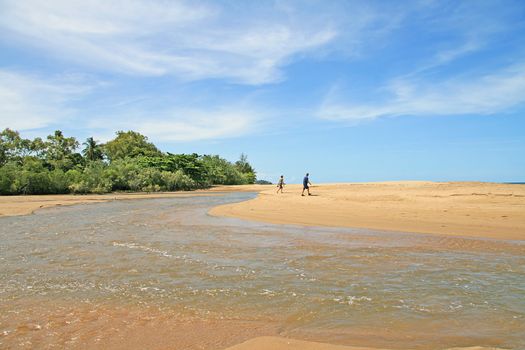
pixel 472 209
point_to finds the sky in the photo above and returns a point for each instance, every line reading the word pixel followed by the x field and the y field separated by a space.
pixel 345 90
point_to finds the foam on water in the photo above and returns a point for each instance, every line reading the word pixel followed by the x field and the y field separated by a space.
pixel 166 259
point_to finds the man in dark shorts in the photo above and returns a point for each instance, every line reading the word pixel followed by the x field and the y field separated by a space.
pixel 306 182
pixel 280 184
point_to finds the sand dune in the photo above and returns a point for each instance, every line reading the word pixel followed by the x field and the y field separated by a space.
pixel 456 208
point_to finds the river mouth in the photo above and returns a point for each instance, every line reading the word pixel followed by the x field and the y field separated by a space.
pixel 100 275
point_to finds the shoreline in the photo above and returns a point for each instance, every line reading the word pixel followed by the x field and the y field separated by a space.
pixel 27 204
pixel 466 209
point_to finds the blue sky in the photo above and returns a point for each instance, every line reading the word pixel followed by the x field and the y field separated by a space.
pixel 346 90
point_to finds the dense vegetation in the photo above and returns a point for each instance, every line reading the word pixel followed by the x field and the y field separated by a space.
pixel 129 162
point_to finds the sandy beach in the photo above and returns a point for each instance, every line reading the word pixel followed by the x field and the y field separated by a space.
pixel 471 209
pixel 457 209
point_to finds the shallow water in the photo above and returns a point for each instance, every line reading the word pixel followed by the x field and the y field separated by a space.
pixel 86 276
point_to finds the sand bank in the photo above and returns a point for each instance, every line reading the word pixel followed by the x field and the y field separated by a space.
pixel 23 205
pixel 456 208
pixel 277 343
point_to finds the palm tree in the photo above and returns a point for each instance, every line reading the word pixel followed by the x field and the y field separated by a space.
pixel 92 150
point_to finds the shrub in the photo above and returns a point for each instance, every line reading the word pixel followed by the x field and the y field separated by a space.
pixel 177 181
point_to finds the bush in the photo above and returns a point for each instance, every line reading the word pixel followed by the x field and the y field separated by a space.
pixel 222 172
pixel 58 182
pixel 8 174
pixel 148 179
pixel 92 180
pixel 133 164
pixel 263 182
pixel 177 181
pixel 31 183
pixel 122 173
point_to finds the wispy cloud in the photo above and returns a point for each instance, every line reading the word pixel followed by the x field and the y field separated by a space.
pixel 487 94
pixel 248 44
pixel 460 30
pixel 31 102
pixel 188 40
pixel 155 50
pixel 448 74
pixel 181 125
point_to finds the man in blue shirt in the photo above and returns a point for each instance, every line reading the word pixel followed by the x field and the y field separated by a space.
pixel 306 182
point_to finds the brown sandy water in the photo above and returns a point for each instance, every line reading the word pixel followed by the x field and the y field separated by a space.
pixel 161 273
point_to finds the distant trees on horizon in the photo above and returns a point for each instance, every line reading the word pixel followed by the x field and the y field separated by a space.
pixel 129 162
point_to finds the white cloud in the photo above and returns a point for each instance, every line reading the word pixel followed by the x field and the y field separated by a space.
pixel 159 38
pixel 487 94
pixel 28 102
pixel 194 125
pixel 456 32
pixel 242 42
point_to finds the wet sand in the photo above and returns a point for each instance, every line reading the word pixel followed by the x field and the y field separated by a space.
pixel 472 209
pixel 162 273
pixel 278 343
pixel 24 205
pixel 106 322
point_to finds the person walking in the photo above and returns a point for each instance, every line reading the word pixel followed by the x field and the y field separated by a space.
pixel 280 184
pixel 306 185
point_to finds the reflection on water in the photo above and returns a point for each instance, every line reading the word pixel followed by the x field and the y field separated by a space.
pixel 96 274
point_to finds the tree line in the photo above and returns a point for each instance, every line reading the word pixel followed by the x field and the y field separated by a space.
pixel 129 162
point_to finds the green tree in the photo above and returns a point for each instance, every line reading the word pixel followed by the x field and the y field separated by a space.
pixel 129 144
pixel 190 164
pixel 246 169
pixel 60 151
pixel 222 172
pixel 53 166
pixel 92 150
pixel 13 147
pixel 38 148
